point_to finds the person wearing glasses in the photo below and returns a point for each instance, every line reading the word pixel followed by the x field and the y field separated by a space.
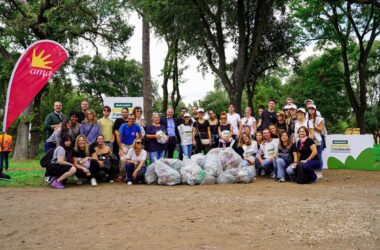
pixel 137 111
pixel 136 166
pixel 225 131
pixel 128 132
pixel 106 126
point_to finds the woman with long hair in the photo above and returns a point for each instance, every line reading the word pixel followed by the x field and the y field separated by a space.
pixel 247 149
pixel 307 161
pixel 249 120
pixel 214 125
pixel 137 111
pixel 185 131
pixel 90 127
pixel 61 167
pixel 157 137
pixel 319 128
pixel 106 159
pixel 281 124
pixel 136 159
pixel 55 138
pixel 225 131
pixel 285 156
pixel 302 122
pixel 201 133
pixel 86 162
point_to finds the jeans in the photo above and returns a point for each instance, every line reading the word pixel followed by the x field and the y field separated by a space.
pixel 319 153
pixel 156 155
pixel 268 166
pixel 187 150
pixel 280 167
pixel 4 158
pixel 130 168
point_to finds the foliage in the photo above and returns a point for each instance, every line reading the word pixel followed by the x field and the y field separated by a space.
pixel 101 77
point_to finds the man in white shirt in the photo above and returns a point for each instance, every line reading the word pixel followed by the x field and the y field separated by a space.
pixel 265 157
pixel 235 121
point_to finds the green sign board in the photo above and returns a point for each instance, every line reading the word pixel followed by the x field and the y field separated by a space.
pixel 122 105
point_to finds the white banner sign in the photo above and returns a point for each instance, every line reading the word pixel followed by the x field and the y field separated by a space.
pixel 118 103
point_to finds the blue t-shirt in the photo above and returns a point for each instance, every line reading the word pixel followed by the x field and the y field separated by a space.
pixel 128 134
pixel 153 145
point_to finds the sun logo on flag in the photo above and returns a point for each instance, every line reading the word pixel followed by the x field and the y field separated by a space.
pixel 40 61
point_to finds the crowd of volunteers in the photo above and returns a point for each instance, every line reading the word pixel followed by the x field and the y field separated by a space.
pixel 284 145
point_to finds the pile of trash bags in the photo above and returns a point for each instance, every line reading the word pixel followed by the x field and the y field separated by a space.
pixel 218 166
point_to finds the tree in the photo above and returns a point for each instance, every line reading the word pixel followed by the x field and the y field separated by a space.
pixel 66 22
pixel 316 79
pixel 101 77
pixel 343 24
pixel 147 83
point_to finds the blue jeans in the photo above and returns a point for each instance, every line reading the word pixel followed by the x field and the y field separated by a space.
pixel 280 168
pixel 130 168
pixel 156 155
pixel 268 166
pixel 319 153
pixel 187 150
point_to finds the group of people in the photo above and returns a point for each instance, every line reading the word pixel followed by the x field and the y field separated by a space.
pixel 283 144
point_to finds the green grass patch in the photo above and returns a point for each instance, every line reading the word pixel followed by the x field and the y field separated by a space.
pixel 24 173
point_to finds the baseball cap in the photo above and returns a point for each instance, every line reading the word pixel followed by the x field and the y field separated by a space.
pixel 312 106
pixel 293 106
pixel 309 100
pixel 201 110
pixel 301 110
pixel 186 115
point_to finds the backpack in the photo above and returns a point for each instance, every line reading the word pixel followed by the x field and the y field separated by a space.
pixel 46 159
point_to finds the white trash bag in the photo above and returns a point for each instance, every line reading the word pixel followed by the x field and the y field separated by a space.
pixel 229 158
pixel 225 178
pixel 150 174
pixel 199 159
pixel 173 163
pixel 192 173
pixel 245 175
pixel 213 165
pixel 166 174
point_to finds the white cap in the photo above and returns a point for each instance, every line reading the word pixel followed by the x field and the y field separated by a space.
pixel 287 106
pixel 201 110
pixel 293 106
pixel 309 100
pixel 186 115
pixel 312 106
pixel 301 110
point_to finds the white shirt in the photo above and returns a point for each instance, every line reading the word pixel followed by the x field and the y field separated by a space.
pixel 186 134
pixel 317 135
pixel 269 149
pixel 297 125
pixel 249 122
pixel 250 151
pixel 234 120
pixel 132 155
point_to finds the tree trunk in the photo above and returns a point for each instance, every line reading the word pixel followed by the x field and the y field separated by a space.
pixel 251 92
pixel 175 97
pixel 22 141
pixel 147 84
pixel 235 98
pixel 35 131
pixel 360 122
pixel 168 66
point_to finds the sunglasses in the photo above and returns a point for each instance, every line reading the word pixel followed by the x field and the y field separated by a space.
pixel 138 142
pixel 106 110
pixel 139 110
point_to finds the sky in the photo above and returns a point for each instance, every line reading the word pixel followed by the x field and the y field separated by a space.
pixel 196 84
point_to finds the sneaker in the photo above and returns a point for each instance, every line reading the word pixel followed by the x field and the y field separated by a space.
pixel 262 172
pixel 51 179
pixel 319 174
pixel 282 180
pixel 93 182
pixel 129 183
pixel 47 179
pixel 4 176
pixel 273 176
pixel 79 181
pixel 112 181
pixel 57 184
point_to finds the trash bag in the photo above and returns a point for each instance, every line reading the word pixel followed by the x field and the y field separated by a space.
pixel 173 163
pixel 233 171
pixel 192 173
pixel 166 174
pixel 209 179
pixel 150 174
pixel 229 158
pixel 199 159
pixel 245 175
pixel 225 178
pixel 213 165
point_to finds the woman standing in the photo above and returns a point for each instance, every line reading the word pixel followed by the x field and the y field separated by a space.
pixel 319 126
pixel 281 124
pixel 137 111
pixel 214 125
pixel 307 156
pixel 260 111
pixel 136 166
pixel 302 122
pixel 157 137
pixel 90 127
pixel 286 154
pixel 185 131
pixel 86 162
pixel 225 131
pixel 109 163
pixel 249 120
pixel 201 133
pixel 61 167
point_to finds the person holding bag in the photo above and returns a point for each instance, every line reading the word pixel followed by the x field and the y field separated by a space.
pixel 201 134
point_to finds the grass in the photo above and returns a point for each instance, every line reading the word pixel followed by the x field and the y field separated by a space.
pixel 29 173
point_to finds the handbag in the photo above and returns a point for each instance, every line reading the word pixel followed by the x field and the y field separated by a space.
pixel 205 141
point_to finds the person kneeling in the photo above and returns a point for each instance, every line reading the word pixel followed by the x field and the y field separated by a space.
pixel 135 166
pixel 61 167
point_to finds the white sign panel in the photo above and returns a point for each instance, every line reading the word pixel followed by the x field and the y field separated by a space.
pixel 118 103
pixel 342 146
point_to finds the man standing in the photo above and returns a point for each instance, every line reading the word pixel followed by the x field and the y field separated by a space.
pixel 84 107
pixel 74 127
pixel 269 116
pixel 235 121
pixel 194 111
pixel 106 126
pixel 170 123
pixel 53 121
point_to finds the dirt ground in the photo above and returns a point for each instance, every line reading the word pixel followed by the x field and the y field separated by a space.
pixel 342 211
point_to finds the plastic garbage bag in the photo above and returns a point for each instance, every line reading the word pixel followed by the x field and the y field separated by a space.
pixel 213 165
pixel 233 171
pixel 150 174
pixel 209 179
pixel 166 174
pixel 229 158
pixel 173 163
pixel 192 173
pixel 199 159
pixel 245 175
pixel 225 178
